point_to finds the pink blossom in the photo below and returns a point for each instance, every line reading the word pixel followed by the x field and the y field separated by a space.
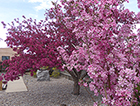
pixel 1 78
pixel 94 36
pixel 85 84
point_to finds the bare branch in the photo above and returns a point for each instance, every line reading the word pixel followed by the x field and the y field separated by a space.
pixel 85 74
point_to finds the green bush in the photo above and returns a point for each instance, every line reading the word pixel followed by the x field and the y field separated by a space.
pixel 34 74
pixel 44 67
pixel 55 73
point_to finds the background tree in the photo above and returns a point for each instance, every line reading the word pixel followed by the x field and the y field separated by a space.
pixel 36 44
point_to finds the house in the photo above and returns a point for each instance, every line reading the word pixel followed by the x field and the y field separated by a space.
pixel 5 54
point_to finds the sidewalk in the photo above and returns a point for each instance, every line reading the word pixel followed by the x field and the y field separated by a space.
pixel 16 86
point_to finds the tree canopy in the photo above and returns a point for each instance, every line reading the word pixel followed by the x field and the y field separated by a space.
pixel 95 35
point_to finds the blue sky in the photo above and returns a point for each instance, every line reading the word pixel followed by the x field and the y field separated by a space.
pixel 11 9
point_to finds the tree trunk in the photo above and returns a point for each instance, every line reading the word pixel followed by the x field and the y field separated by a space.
pixel 76 87
pixel 75 76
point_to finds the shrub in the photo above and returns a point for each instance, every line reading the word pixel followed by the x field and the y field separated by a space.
pixel 55 73
pixel 34 74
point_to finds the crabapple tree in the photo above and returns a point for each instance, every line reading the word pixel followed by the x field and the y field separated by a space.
pixel 92 35
pixel 109 49
pixel 36 43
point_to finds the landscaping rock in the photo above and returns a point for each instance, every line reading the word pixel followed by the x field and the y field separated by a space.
pixel 43 75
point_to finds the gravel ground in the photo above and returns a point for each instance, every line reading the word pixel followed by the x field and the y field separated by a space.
pixel 46 93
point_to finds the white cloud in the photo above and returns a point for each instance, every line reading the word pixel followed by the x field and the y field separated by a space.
pixel 15 0
pixel 43 4
pixel 33 15
pixel 34 1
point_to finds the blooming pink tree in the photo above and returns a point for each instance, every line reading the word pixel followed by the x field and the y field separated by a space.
pixel 92 35
pixel 109 51
pixel 36 44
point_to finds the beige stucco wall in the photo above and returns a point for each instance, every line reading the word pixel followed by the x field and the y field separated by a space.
pixel 6 52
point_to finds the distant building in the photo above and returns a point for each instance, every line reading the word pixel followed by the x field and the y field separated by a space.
pixel 5 54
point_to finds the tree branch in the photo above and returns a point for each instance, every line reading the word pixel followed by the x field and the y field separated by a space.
pixel 71 73
pixel 75 72
pixel 85 74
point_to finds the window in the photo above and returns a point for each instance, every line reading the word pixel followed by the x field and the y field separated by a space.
pixel 5 58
